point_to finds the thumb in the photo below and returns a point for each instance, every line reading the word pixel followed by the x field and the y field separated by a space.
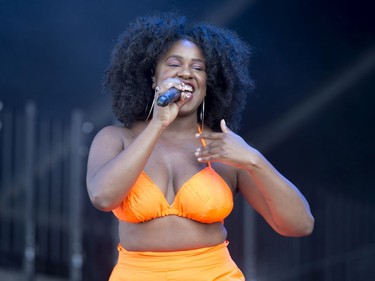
pixel 224 127
pixel 185 97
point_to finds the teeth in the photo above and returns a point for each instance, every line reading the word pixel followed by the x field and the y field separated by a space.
pixel 188 88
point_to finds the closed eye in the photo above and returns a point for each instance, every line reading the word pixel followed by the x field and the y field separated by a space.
pixel 198 68
pixel 173 62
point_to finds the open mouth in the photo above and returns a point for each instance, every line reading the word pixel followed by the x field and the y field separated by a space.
pixel 188 88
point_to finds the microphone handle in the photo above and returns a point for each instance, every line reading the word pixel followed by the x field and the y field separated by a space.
pixel 171 95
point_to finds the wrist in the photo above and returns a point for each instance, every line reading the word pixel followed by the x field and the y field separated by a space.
pixel 254 160
pixel 158 125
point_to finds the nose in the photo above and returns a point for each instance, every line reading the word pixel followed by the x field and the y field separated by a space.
pixel 185 72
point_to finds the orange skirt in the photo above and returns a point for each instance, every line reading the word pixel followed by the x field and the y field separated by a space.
pixel 205 264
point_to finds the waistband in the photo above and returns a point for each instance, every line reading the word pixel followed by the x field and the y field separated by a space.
pixel 200 257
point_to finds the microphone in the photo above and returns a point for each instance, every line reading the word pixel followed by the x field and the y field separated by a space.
pixel 171 95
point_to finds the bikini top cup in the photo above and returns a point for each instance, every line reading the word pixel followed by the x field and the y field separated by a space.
pixel 205 198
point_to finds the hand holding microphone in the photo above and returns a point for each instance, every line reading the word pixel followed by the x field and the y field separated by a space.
pixel 172 95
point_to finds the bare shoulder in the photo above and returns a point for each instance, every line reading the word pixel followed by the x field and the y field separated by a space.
pixel 112 130
pixel 107 144
pixel 114 134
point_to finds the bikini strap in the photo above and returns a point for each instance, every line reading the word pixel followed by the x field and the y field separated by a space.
pixel 203 142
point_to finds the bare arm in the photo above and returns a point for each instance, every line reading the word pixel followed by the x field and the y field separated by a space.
pixel 112 168
pixel 272 195
pixel 116 158
pixel 275 198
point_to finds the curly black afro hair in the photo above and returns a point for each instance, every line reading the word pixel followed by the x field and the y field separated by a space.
pixel 138 49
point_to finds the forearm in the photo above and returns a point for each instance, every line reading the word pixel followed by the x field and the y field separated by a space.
pixel 110 184
pixel 288 208
pixel 272 195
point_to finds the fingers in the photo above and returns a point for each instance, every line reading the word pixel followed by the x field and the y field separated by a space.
pixel 223 126
pixel 173 83
pixel 185 91
pixel 186 95
pixel 215 135
pixel 210 152
pixel 210 136
pixel 204 156
pixel 217 147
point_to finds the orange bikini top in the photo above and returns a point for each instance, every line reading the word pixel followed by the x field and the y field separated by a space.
pixel 205 198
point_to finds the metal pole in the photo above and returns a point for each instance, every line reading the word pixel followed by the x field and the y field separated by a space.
pixel 75 223
pixel 249 242
pixel 29 252
pixel 6 179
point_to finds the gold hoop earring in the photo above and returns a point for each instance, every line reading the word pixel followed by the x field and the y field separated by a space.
pixel 153 103
pixel 202 114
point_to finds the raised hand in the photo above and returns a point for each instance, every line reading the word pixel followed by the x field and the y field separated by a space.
pixel 226 147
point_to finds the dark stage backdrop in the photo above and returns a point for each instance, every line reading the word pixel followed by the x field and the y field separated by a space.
pixel 311 113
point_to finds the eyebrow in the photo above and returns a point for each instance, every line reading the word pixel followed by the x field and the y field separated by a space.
pixel 181 58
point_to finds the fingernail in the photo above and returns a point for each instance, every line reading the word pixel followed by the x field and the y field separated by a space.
pixel 188 95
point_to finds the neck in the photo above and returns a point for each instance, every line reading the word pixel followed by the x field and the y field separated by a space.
pixel 183 125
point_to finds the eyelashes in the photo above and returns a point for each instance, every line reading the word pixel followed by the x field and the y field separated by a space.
pixel 196 67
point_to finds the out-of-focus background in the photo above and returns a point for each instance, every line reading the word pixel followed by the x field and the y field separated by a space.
pixel 311 113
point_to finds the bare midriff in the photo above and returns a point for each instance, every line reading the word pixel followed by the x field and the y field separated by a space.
pixel 170 233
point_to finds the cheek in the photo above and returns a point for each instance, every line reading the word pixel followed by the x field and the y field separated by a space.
pixel 203 80
pixel 163 75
